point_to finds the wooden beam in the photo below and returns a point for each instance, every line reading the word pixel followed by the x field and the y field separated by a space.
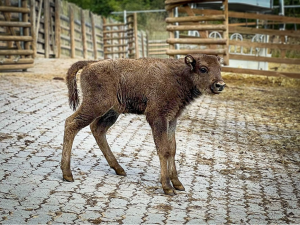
pixel 196 41
pixel 32 20
pixel 47 27
pixel 137 52
pixel 264 59
pixel 57 28
pixel 12 9
pixel 16 38
pixel 249 44
pixel 16 67
pixel 247 30
pixel 72 32
pixel 83 33
pixel 13 61
pixel 195 18
pixel 195 27
pixel 14 24
pixel 16 52
pixel 195 51
pixel 261 72
pixel 94 35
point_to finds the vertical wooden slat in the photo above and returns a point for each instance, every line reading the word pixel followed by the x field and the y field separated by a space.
pixel 83 31
pixel 25 29
pixel 72 32
pixel 94 36
pixel 143 47
pixel 32 20
pixel 8 30
pixel 135 33
pixel 46 26
pixel 57 28
pixel 171 33
pixel 226 33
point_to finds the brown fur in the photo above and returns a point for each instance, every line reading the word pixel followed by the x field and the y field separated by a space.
pixel 158 88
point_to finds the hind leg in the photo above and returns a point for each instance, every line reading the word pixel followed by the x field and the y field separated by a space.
pixel 99 128
pixel 80 119
pixel 171 160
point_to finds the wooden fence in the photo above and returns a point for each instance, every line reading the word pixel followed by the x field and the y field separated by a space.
pixel 188 21
pixel 157 48
pixel 16 36
pixel 253 41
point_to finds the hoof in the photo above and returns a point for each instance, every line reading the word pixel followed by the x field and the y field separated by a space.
pixel 179 187
pixel 120 172
pixel 68 178
pixel 170 192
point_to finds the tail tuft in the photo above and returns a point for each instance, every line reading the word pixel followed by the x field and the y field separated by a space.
pixel 72 83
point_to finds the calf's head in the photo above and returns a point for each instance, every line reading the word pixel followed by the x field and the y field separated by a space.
pixel 206 73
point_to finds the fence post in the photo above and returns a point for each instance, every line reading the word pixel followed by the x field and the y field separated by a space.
pixel 137 55
pixel 83 31
pixel 57 28
pixel 32 20
pixel 72 35
pixel 94 36
pixel 46 26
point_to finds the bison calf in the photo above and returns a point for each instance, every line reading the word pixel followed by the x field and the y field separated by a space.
pixel 158 88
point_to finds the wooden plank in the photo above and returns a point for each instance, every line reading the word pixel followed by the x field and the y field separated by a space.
pixel 202 11
pixel 72 33
pixel 158 53
pixel 83 35
pixel 226 33
pixel 13 9
pixel 196 51
pixel 249 44
pixel 260 72
pixel 157 49
pixel 13 61
pixel 283 19
pixel 25 20
pixel 57 28
pixel 94 35
pixel 171 34
pixel 114 52
pixel 14 24
pixel 113 24
pixel 16 67
pixel 196 41
pixel 137 52
pixel 264 59
pixel 46 27
pixel 16 38
pixel 247 30
pixel 114 31
pixel 16 52
pixel 33 34
pixel 195 18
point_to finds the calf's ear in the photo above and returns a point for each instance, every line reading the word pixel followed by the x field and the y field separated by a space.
pixel 221 60
pixel 189 60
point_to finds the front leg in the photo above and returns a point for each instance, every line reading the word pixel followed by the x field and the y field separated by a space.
pixel 159 128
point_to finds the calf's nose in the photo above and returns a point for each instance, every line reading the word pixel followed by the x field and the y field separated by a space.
pixel 218 87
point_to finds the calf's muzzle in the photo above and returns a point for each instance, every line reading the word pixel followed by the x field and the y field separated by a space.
pixel 218 87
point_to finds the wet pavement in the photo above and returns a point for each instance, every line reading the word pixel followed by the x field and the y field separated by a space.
pixel 231 162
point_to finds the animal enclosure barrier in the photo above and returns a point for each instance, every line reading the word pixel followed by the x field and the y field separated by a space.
pixel 17 41
pixel 255 41
pixel 189 34
pixel 67 30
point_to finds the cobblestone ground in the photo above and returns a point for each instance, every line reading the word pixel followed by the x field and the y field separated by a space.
pixel 238 157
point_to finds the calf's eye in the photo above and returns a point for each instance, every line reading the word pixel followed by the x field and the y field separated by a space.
pixel 203 70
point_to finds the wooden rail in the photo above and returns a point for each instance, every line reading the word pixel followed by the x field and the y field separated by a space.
pixel 17 36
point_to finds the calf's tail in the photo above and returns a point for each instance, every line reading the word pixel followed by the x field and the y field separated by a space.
pixel 72 83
